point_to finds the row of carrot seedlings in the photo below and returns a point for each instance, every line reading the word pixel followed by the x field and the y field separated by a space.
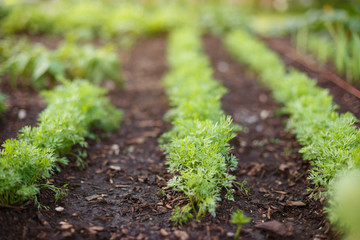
pixel 197 146
pixel 73 109
pixel 330 140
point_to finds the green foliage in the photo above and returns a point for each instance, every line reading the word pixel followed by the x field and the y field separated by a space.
pixel 238 218
pixel 3 107
pixel 25 17
pixel 89 19
pixel 218 17
pixel 94 64
pixel 332 37
pixel 197 147
pixel 330 140
pixel 40 67
pixel 122 21
pixel 60 192
pixel 90 100
pixel 181 215
pixel 22 166
pixel 344 208
pixel 74 108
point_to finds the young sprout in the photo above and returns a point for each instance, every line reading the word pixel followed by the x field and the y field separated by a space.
pixel 239 219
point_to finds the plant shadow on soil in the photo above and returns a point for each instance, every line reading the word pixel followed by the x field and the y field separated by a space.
pixel 120 194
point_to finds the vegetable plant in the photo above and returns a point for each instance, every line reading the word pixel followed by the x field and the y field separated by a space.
pixel 238 218
pixel 40 67
pixel 330 140
pixel 74 108
pixel 197 147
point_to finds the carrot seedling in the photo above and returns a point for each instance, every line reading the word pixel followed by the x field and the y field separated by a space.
pixel 238 218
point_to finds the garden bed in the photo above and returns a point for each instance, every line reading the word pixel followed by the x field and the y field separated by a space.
pixel 122 194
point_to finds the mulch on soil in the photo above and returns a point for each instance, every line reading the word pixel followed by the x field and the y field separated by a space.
pixel 122 195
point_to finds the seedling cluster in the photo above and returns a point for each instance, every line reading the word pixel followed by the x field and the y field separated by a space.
pixel 73 110
pixel 197 146
pixel 330 140
pixel 40 67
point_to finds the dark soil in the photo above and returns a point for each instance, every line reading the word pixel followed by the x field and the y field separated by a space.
pixel 23 109
pixel 122 195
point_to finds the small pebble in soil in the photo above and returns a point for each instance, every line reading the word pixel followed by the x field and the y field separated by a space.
pixel 264 114
pixel 223 66
pixel 22 114
pixel 115 149
pixel 230 234
pixel 59 209
pixel 181 235
pixel 163 232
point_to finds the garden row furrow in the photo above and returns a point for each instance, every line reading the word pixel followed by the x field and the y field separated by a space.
pixel 197 146
pixel 330 140
pixel 73 110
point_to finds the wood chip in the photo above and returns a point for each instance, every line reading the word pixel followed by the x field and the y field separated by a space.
pixel 295 203
pixel 281 192
pixel 291 184
pixel 138 140
pixel 268 214
pixel 275 227
pixel 92 197
pixel 281 198
pixel 65 225
pixel 115 168
pixel 163 232
pixel 263 190
pixel 182 235
pixel 121 186
pixel 95 229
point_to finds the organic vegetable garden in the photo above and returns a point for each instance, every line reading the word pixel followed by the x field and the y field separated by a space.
pixel 179 120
